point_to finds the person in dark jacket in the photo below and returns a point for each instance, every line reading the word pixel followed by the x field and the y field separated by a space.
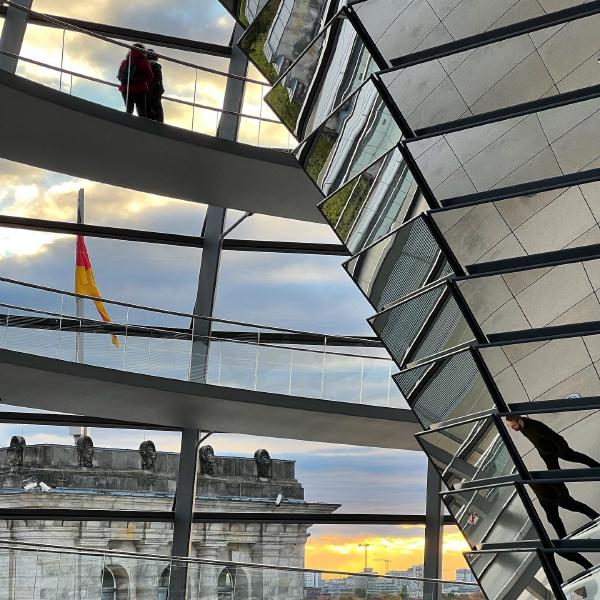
pixel 552 496
pixel 548 443
pixel 155 89
pixel 135 74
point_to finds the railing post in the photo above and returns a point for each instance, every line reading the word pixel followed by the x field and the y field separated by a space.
pixel 185 497
pixel 13 34
pixel 434 532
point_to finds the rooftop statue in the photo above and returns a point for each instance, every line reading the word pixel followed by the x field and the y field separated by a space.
pixel 15 451
pixel 85 451
pixel 207 460
pixel 264 464
pixel 148 455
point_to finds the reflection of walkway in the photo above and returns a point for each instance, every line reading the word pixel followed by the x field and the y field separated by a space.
pixel 44 128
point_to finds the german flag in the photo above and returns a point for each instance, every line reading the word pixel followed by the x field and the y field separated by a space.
pixel 85 284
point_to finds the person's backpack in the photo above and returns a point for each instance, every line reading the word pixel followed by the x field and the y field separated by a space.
pixel 128 73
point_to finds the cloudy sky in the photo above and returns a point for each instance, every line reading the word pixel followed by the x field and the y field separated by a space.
pixel 302 292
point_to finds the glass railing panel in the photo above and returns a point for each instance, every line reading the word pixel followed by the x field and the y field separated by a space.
pixel 179 346
pixel 538 370
pixel 510 575
pixel 398 264
pixel 359 132
pixel 455 388
pixel 521 69
pixel 281 31
pixel 467 452
pixel 373 203
pixel 401 27
pixel 552 143
pixel 422 326
pixel 330 69
pixel 512 227
pixel 491 515
pixel 534 298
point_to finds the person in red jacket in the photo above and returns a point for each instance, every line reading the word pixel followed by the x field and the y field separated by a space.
pixel 135 74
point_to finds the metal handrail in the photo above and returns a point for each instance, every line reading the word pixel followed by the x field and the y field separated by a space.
pixel 30 546
pixel 180 314
pixel 66 25
pixel 116 85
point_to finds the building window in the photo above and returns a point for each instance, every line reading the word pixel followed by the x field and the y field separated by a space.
pixel 163 584
pixel 109 585
pixel 225 585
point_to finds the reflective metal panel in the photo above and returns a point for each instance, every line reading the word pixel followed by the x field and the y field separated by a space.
pixel 359 132
pixel 453 388
pixel 549 143
pixel 281 31
pixel 540 370
pixel 422 326
pixel 520 69
pixel 510 575
pixel 542 222
pixel 535 298
pixel 332 67
pixel 467 452
pixel 373 203
pixel 491 515
pixel 398 264
pixel 579 584
pixel 400 27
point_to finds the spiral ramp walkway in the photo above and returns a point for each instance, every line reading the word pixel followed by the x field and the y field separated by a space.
pixel 457 146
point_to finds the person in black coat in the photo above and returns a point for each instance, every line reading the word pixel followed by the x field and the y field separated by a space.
pixel 155 89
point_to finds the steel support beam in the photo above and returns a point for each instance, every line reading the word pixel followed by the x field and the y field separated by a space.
pixel 434 532
pixel 185 497
pixel 214 223
pixel 13 33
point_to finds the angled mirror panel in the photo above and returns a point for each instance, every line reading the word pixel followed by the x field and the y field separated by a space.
pixel 467 452
pixel 400 263
pixel 422 326
pixel 521 69
pixel 510 575
pixel 280 32
pixel 491 515
pixel 359 132
pixel 539 370
pixel 335 64
pixel 549 143
pixel 559 440
pixel 534 298
pixel 523 225
pixel 245 10
pixel 567 510
pixel 400 27
pixel 581 581
pixel 373 203
pixel 453 388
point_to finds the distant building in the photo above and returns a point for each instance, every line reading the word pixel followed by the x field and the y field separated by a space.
pixel 84 477
pixel 312 580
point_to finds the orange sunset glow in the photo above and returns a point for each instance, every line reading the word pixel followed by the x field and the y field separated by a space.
pixel 343 553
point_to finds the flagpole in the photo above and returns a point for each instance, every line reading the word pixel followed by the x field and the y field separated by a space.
pixel 79 357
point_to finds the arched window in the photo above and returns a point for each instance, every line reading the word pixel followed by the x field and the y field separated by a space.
pixel 109 585
pixel 163 584
pixel 225 585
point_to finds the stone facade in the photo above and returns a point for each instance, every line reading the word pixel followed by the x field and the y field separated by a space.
pixel 146 480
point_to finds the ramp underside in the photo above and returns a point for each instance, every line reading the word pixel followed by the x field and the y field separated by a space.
pixel 45 128
pixel 51 384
